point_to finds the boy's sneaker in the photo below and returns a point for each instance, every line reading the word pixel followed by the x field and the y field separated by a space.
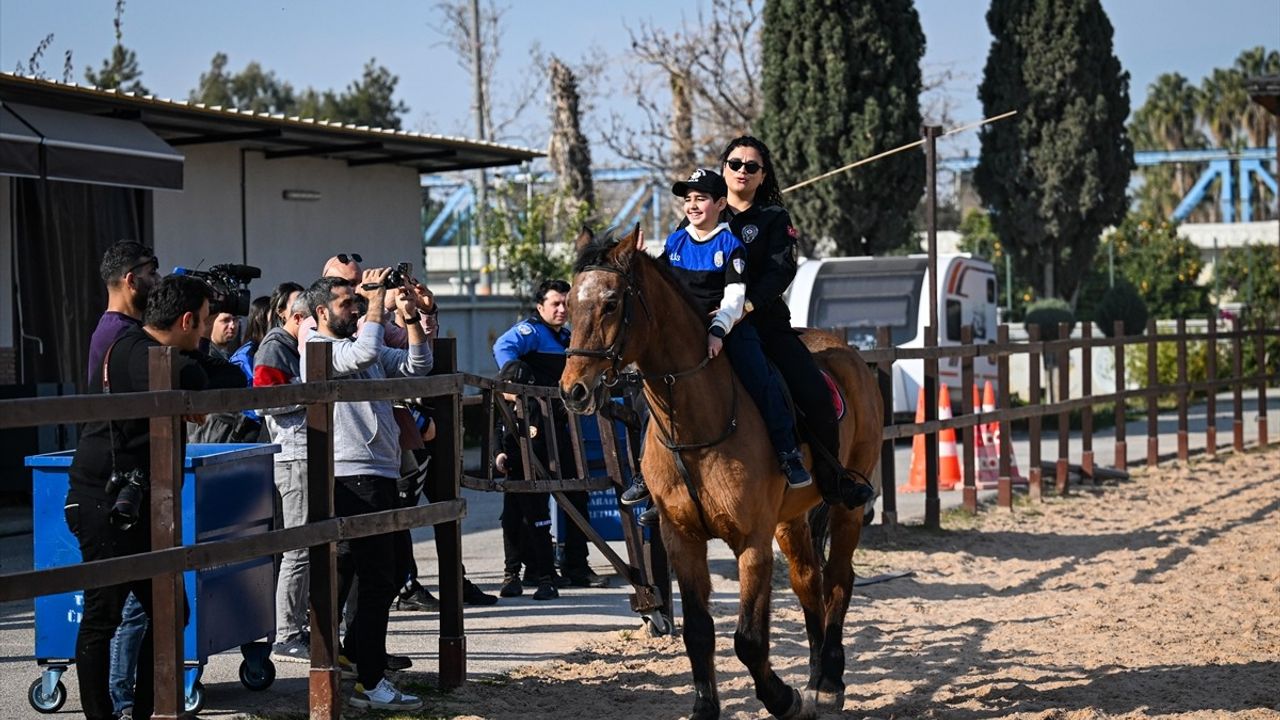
pixel 347 667
pixel 384 697
pixel 291 651
pixel 792 463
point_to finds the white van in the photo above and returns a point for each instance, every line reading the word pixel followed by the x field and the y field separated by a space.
pixel 859 294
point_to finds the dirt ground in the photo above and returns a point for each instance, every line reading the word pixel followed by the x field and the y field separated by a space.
pixel 1154 597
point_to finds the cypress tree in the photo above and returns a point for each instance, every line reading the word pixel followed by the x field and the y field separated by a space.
pixel 842 82
pixel 1054 175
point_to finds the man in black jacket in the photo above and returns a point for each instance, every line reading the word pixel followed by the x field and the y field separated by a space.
pixel 177 310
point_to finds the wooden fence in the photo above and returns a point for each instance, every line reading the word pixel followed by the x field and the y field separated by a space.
pixel 444 390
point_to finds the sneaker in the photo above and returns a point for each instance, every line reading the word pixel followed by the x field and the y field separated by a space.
pixel 419 599
pixel 637 493
pixel 384 697
pixel 793 467
pixel 556 578
pixel 473 595
pixel 546 591
pixel 347 668
pixel 126 713
pixel 511 586
pixel 398 662
pixel 586 578
pixel 291 651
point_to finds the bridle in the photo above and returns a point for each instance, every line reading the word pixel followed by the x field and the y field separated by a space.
pixel 611 376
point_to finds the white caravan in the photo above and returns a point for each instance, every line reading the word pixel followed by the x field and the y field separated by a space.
pixel 856 295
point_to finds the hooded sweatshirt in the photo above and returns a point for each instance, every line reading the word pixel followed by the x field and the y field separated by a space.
pixel 366 438
pixel 277 363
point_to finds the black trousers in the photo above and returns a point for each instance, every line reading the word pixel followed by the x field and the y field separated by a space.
pixel 809 392
pixel 373 561
pixel 87 517
pixel 575 541
pixel 526 534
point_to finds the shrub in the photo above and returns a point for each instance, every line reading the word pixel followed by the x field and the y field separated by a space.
pixel 1047 314
pixel 1122 303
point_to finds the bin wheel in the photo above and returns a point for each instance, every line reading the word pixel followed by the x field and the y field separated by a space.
pixel 51 703
pixel 657 624
pixel 257 675
pixel 195 700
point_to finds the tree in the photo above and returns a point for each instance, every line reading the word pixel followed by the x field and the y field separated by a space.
pixel 842 81
pixel 1167 121
pixel 250 89
pixel 1055 175
pixel 120 71
pixel 569 152
pixel 1164 267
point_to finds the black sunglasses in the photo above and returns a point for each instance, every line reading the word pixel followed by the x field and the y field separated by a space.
pixel 345 258
pixel 751 166
pixel 153 260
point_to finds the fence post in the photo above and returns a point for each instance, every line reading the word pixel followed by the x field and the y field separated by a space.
pixel 1183 449
pixel 1153 412
pixel 1237 411
pixel 1121 459
pixel 1064 417
pixel 888 459
pixel 1035 473
pixel 324 678
pixel 1086 413
pixel 1211 402
pixel 1261 370
pixel 442 484
pixel 970 491
pixel 167 596
pixel 932 504
pixel 1004 487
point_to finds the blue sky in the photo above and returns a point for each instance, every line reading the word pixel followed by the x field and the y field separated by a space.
pixel 325 43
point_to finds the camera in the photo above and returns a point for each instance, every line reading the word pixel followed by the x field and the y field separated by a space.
pixel 130 488
pixel 230 285
pixel 398 277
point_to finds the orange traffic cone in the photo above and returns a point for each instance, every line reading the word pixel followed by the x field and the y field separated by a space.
pixel 993 435
pixel 948 459
pixel 915 478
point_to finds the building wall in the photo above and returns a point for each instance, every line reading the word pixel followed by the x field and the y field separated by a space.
pixel 374 211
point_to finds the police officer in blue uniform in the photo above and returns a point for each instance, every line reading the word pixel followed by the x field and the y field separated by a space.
pixel 533 351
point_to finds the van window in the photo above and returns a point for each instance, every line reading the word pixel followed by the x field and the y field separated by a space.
pixel 991 290
pixel 953 320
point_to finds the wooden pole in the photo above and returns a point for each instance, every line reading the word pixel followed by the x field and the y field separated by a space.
pixel 1121 460
pixel 1035 473
pixel 167 596
pixel 443 480
pixel 970 491
pixel 325 675
pixel 1184 449
pixel 888 469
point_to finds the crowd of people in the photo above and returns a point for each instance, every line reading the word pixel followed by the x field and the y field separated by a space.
pixel 735 252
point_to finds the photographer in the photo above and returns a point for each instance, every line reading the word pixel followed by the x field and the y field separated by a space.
pixel 108 476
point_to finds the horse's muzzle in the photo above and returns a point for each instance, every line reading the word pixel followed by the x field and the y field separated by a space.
pixel 578 398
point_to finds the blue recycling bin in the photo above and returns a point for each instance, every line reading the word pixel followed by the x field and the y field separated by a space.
pixel 602 505
pixel 227 492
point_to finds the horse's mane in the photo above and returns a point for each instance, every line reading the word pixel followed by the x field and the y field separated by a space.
pixel 596 253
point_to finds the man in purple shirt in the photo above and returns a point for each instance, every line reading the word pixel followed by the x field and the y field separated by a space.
pixel 130 270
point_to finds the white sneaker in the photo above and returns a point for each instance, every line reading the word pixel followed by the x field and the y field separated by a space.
pixel 384 697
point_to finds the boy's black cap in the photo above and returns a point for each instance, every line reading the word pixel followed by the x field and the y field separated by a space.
pixel 703 180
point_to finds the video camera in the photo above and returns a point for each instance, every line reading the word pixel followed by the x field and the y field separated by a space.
pixel 398 277
pixel 230 285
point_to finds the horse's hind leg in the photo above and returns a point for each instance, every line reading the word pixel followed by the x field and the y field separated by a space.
pixel 837 587
pixel 751 640
pixel 689 560
pixel 796 542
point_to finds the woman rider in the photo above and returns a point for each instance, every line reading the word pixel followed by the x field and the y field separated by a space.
pixel 756 215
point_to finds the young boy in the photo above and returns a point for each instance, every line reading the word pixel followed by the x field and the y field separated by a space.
pixel 710 261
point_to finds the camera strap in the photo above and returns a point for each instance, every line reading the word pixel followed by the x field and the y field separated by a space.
pixel 106 390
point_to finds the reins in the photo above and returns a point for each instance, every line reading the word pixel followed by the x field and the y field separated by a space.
pixel 666 435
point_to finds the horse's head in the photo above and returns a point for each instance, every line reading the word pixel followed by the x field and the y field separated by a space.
pixel 603 306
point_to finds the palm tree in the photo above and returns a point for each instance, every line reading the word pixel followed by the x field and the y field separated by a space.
pixel 1257 124
pixel 1167 121
pixel 1221 103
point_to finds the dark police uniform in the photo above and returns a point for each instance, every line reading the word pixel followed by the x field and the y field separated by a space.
pixel 533 352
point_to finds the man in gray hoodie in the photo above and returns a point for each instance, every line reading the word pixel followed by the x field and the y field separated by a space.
pixel 366 461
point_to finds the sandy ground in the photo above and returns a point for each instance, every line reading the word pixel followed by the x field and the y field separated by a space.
pixel 1156 597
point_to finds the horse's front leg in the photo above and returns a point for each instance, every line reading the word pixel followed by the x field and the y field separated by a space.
pixel 794 537
pixel 689 560
pixel 837 586
pixel 751 640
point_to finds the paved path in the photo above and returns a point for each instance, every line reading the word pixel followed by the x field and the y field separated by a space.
pixel 516 631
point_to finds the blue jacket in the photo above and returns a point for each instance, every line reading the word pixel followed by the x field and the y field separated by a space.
pixel 535 343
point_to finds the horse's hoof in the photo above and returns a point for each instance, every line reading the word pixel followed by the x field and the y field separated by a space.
pixel 830 700
pixel 802 707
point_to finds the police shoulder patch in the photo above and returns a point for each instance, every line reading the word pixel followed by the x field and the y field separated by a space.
pixel 749 233
pixel 524 329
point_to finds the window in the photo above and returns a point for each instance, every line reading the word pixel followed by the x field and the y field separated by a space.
pixel 954 319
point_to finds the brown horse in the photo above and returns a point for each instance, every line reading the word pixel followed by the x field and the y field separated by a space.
pixel 712 471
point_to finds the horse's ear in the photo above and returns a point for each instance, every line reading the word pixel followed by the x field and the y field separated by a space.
pixel 584 238
pixel 626 247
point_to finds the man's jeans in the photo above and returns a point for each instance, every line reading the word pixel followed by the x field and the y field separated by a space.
pixel 293 585
pixel 125 645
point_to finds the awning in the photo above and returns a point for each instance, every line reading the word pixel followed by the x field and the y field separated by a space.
pixel 74 147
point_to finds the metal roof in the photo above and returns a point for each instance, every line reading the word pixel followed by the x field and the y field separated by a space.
pixel 182 123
